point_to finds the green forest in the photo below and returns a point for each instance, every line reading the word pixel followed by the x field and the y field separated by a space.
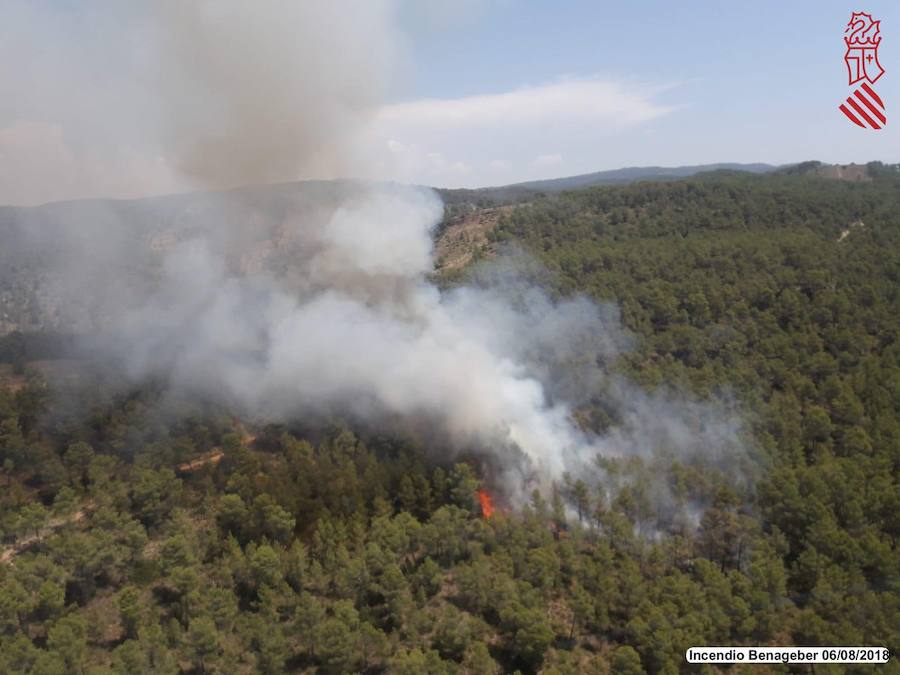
pixel 135 544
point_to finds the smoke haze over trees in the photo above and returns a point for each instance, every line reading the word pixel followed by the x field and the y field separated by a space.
pixel 681 397
pixel 367 552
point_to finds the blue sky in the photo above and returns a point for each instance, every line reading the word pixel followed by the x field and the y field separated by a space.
pixel 739 81
pixel 440 92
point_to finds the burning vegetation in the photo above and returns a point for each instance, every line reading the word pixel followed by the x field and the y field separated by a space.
pixel 487 503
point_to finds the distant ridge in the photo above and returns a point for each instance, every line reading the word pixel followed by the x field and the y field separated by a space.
pixel 633 173
pixel 514 192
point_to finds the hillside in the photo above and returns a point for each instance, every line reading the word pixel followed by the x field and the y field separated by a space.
pixel 129 238
pixel 330 548
pixel 36 297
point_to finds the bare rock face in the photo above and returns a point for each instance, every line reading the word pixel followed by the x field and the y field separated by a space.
pixel 849 172
pixel 465 238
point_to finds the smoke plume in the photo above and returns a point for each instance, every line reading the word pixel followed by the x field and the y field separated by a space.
pixel 263 91
pixel 316 299
pixel 130 99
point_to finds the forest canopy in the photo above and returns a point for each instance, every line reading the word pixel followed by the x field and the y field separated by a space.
pixel 135 543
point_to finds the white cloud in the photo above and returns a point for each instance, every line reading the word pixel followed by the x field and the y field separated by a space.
pixel 572 100
pixel 547 160
pixel 460 142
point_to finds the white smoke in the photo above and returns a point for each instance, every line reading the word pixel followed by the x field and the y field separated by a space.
pixel 360 329
pixel 357 329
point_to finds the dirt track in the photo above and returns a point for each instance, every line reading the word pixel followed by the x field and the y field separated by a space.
pixel 10 552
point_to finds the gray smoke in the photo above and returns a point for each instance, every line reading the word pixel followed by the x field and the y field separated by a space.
pixel 263 91
pixel 112 99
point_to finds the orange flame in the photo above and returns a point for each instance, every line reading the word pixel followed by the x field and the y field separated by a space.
pixel 487 504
